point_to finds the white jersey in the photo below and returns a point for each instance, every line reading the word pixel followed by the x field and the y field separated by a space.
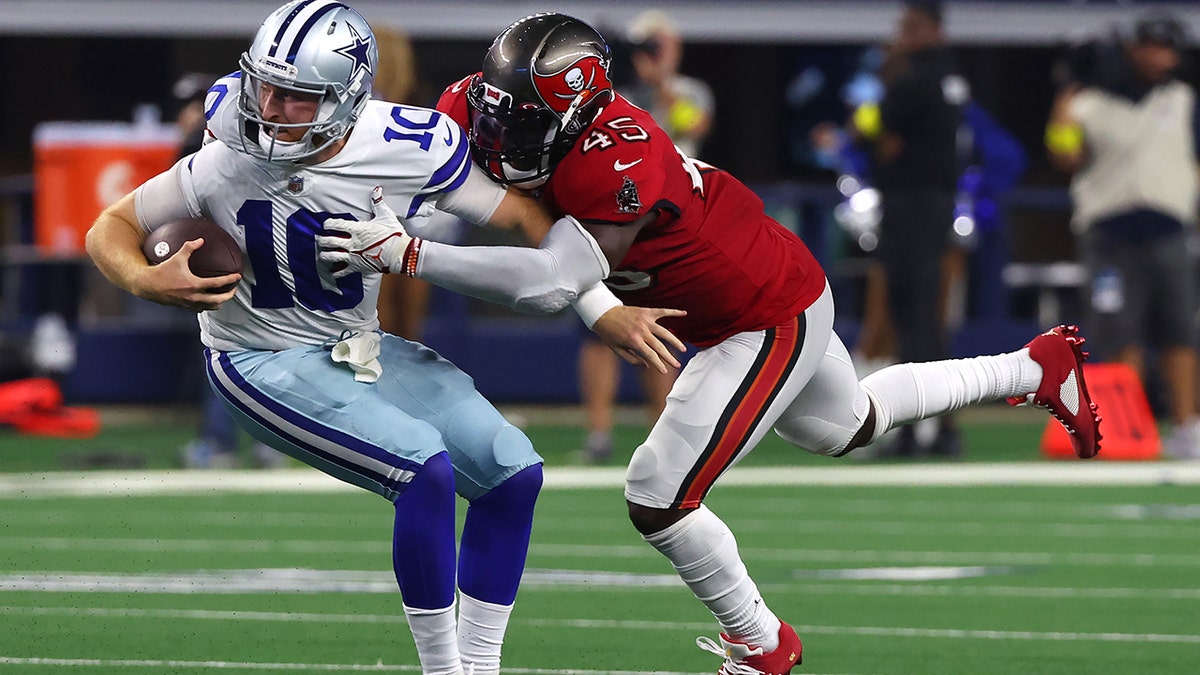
pixel 286 298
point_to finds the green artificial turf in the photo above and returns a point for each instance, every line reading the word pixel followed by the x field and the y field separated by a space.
pixel 1070 580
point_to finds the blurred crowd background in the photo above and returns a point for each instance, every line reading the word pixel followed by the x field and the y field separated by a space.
pixel 773 92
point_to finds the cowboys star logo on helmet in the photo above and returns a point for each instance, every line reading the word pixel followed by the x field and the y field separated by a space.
pixel 358 52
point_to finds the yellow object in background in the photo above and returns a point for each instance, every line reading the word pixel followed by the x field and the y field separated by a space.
pixel 1064 138
pixel 684 116
pixel 868 121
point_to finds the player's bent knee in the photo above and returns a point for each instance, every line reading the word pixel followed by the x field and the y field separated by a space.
pixel 832 432
pixel 486 461
pixel 642 466
pixel 511 447
pixel 519 491
pixel 834 443
pixel 650 507
pixel 438 468
pixel 648 520
pixel 435 477
pixel 642 484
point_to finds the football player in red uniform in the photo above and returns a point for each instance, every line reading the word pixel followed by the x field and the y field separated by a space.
pixel 669 231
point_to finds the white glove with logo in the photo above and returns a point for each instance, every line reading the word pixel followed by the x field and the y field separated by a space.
pixel 371 246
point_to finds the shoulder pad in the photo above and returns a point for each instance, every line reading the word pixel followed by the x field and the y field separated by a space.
pixel 220 110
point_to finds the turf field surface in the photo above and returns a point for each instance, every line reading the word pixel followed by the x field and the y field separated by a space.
pixel 884 569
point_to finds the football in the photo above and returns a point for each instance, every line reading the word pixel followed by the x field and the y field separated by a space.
pixel 220 254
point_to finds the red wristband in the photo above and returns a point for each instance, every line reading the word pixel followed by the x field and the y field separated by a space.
pixel 411 254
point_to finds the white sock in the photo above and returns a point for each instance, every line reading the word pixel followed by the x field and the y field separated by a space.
pixel 481 627
pixel 434 633
pixel 909 392
pixel 704 553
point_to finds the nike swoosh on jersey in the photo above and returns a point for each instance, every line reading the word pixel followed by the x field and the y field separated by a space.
pixel 618 166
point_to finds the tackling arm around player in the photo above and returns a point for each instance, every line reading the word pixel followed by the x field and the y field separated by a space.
pixel 568 267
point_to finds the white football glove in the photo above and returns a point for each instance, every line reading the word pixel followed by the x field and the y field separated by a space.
pixel 372 246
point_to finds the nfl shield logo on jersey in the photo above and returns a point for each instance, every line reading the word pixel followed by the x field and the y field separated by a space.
pixel 627 197
pixel 295 185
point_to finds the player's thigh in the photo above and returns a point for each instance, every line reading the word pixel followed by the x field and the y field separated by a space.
pixel 721 406
pixel 830 409
pixel 302 403
pixel 484 447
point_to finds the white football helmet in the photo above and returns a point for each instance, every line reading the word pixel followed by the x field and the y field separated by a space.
pixel 319 47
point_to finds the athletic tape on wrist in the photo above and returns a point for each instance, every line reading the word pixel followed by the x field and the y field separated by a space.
pixel 593 303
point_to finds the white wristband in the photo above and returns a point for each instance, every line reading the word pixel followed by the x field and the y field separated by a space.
pixel 593 302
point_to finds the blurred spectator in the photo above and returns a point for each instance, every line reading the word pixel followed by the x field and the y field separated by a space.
pixel 1130 133
pixel 188 93
pixel 912 138
pixel 216 445
pixel 995 162
pixel 682 106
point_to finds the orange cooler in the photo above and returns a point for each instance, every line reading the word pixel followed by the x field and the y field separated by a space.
pixel 80 168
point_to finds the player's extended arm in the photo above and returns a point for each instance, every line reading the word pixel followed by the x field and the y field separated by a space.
pixel 520 212
pixel 114 243
pixel 533 280
pixel 567 268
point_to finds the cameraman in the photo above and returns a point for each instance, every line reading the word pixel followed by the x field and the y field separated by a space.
pixel 1129 131
pixel 681 105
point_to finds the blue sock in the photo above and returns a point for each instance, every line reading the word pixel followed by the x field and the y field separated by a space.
pixel 423 536
pixel 495 538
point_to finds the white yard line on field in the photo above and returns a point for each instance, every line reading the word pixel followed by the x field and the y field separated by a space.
pixel 289 667
pixel 125 483
pixel 840 557
pixel 1123 529
pixel 881 631
pixel 613 624
pixel 296 580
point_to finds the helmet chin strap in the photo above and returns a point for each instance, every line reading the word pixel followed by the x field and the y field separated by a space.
pixel 526 179
pixel 571 110
pixel 277 149
pixel 531 183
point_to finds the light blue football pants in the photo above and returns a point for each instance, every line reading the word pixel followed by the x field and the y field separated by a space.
pixel 375 435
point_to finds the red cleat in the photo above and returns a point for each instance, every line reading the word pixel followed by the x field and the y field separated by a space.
pixel 1062 391
pixel 742 659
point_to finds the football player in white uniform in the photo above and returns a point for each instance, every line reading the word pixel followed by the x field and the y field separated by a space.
pixel 295 351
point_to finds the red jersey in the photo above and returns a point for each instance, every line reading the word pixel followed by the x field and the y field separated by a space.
pixel 711 250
